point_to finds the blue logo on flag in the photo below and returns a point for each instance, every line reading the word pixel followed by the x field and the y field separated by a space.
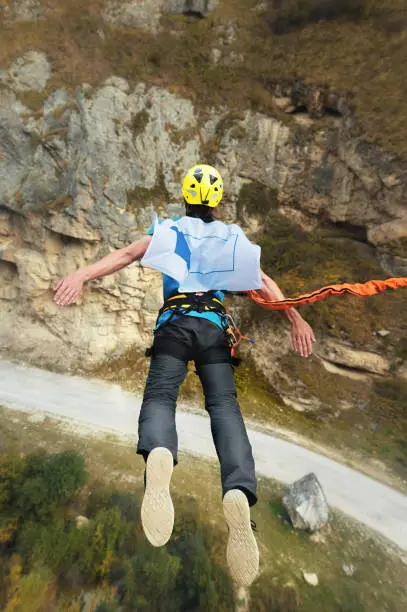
pixel 181 248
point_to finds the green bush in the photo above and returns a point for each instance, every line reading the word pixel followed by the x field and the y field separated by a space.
pixel 150 579
pixel 79 555
pixel 203 584
pixel 106 607
pixel 34 592
pixel 183 576
pixel 110 550
pixel 59 544
pixel 49 482
pixel 11 477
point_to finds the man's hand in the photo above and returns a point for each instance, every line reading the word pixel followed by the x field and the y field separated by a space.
pixel 69 289
pixel 302 337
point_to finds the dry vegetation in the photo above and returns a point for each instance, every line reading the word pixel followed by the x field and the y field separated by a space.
pixel 355 46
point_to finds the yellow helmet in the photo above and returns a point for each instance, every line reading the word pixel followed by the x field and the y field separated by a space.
pixel 203 185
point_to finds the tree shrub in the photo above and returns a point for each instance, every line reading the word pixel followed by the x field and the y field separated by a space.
pixel 50 481
pixel 149 582
pixel 11 478
pixel 78 555
pixel 34 592
pixel 110 551
pixel 202 583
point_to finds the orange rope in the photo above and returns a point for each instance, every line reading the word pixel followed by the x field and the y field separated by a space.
pixel 367 289
pixel 240 337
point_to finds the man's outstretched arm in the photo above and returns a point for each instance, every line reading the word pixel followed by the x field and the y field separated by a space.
pixel 302 335
pixel 68 289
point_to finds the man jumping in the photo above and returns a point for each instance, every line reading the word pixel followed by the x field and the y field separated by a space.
pixel 200 258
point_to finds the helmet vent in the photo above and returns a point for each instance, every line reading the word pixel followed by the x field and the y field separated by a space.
pixel 198 174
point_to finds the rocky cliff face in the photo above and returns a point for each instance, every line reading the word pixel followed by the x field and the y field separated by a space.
pixel 83 175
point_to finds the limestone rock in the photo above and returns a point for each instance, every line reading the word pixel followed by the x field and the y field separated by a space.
pixel 22 10
pixel 391 181
pixel 4 224
pixel 81 521
pixel 393 265
pixel 349 570
pixel 306 504
pixel 389 232
pixel 262 158
pixel 351 153
pixel 216 55
pixel 34 272
pixel 347 372
pixel 317 100
pixel 65 180
pixel 83 176
pixel 72 227
pixel 402 372
pixel 284 104
pixel 146 14
pixel 29 72
pixel 341 354
pixel 199 7
pixel 37 418
pixel 318 538
pixel 311 578
pixel 143 14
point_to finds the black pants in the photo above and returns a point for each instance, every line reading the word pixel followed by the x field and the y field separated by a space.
pixel 176 343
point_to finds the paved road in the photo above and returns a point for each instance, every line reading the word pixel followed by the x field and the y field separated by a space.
pixel 105 407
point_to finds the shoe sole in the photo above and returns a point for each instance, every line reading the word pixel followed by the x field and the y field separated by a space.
pixel 242 553
pixel 157 510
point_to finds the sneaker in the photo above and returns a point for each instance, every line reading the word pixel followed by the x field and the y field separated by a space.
pixel 157 510
pixel 242 553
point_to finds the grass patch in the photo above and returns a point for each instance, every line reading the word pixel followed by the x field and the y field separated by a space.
pixel 116 564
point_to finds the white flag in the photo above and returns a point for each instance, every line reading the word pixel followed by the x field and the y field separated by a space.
pixel 204 256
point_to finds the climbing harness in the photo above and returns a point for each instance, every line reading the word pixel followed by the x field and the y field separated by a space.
pixel 233 333
pixel 183 303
